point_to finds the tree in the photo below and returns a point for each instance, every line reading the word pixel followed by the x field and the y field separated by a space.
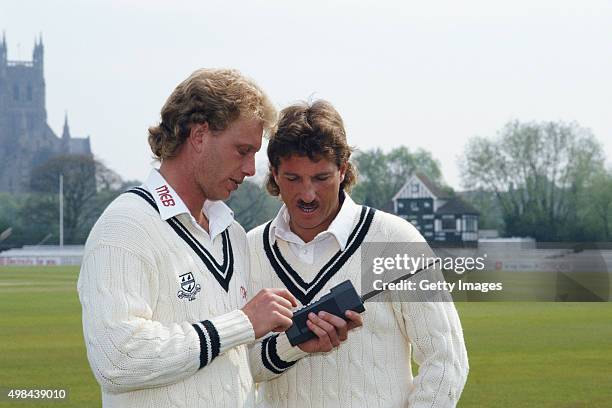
pixel 538 172
pixel 82 177
pixel 9 207
pixel 599 203
pixel 38 220
pixel 486 202
pixel 252 205
pixel 9 219
pixel 381 175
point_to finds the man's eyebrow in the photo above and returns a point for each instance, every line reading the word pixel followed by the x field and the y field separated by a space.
pixel 247 145
pixel 288 173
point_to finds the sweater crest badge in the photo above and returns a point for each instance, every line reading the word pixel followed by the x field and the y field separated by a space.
pixel 189 288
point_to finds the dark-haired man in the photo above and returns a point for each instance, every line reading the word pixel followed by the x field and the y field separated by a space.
pixel 312 245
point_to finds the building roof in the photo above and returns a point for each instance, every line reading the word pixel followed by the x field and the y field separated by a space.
pixel 457 206
pixel 79 146
pixel 431 186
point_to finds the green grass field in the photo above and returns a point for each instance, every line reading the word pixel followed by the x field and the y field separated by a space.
pixel 521 354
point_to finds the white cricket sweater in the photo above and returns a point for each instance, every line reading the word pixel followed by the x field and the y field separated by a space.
pixel 162 328
pixel 373 367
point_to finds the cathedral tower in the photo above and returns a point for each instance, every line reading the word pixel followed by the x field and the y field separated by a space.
pixel 26 140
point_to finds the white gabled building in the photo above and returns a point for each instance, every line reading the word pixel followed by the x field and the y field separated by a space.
pixel 438 216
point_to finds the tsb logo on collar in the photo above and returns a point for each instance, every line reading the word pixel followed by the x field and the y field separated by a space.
pixel 164 196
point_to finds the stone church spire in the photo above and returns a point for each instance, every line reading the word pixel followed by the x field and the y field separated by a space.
pixel 38 53
pixel 3 50
pixel 66 131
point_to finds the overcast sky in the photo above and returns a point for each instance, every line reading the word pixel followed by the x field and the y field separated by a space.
pixel 421 74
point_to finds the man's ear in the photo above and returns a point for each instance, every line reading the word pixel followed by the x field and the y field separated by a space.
pixel 274 173
pixel 198 135
pixel 343 169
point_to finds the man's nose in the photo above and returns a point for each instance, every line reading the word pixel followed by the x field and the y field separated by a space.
pixel 248 167
pixel 308 193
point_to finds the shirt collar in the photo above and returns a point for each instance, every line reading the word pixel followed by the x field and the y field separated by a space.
pixel 170 204
pixel 340 228
pixel 219 215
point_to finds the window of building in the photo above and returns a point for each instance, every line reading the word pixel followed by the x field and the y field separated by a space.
pixel 448 223
pixel 426 204
pixel 16 92
pixel 415 188
pixel 414 206
pixel 471 223
pixel 29 92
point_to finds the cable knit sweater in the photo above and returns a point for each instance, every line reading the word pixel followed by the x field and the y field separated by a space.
pixel 161 316
pixel 373 367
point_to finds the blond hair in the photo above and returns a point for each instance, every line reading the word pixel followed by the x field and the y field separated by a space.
pixel 214 96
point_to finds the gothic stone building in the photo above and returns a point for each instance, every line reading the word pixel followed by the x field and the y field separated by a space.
pixel 26 140
pixel 441 219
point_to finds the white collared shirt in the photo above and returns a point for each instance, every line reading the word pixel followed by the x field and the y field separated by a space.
pixel 337 233
pixel 170 204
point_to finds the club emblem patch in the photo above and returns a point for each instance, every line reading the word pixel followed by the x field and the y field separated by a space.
pixel 189 288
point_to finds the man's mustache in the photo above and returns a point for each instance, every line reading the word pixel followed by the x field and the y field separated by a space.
pixel 310 204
